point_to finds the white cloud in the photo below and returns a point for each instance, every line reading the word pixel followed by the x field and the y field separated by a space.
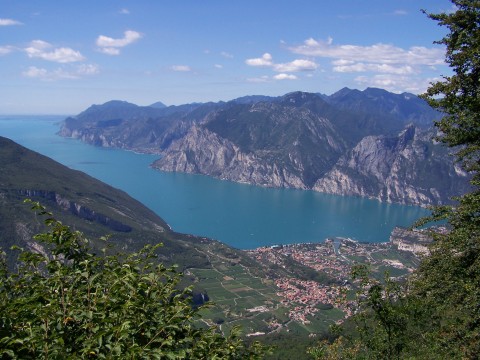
pixel 384 65
pixel 124 11
pixel 400 12
pixel 181 68
pixel 34 72
pixel 396 83
pixel 110 51
pixel 72 73
pixel 284 76
pixel 264 61
pixel 87 69
pixel 43 50
pixel 296 65
pixel 377 53
pixel 218 66
pixel 4 50
pixel 379 68
pixel 111 46
pixel 9 22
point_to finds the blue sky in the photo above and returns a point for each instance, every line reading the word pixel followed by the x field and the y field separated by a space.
pixel 61 56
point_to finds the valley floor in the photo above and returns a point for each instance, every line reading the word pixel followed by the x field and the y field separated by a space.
pixel 308 288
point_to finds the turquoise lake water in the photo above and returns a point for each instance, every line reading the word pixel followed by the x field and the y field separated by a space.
pixel 240 215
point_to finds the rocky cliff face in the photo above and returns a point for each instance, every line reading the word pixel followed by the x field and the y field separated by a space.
pixel 368 143
pixel 204 152
pixel 77 209
pixel 408 168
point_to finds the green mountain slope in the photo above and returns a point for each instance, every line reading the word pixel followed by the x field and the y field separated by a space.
pixel 83 202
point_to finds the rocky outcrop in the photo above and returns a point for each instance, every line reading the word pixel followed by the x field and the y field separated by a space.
pixel 415 241
pixel 77 209
pixel 408 168
pixel 204 152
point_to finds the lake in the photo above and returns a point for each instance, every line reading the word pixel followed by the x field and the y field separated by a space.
pixel 240 215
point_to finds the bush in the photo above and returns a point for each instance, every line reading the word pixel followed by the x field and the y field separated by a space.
pixel 67 302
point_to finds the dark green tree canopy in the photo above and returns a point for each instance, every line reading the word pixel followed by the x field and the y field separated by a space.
pixel 458 95
pixel 436 314
pixel 64 302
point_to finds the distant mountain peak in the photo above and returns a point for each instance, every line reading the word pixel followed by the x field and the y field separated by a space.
pixel 118 103
pixel 252 99
pixel 158 105
pixel 299 97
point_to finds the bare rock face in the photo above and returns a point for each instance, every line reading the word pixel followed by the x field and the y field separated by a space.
pixel 204 152
pixel 408 169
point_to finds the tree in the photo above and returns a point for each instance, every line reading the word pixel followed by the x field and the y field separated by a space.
pixel 448 280
pixel 68 303
pixel 440 306
pixel 458 96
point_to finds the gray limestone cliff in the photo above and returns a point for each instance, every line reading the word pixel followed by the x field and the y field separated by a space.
pixel 204 152
pixel 408 168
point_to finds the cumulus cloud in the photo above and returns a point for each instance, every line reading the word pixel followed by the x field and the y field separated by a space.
pixel 379 68
pixel 264 61
pixel 296 65
pixel 378 54
pixel 9 22
pixel 111 46
pixel 396 83
pixel 285 77
pixel 72 73
pixel 384 65
pixel 44 50
pixel 181 68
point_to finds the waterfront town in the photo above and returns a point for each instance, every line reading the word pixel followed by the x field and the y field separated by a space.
pixel 334 258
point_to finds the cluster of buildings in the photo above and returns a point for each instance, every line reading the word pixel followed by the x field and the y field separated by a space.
pixel 303 297
pixel 334 257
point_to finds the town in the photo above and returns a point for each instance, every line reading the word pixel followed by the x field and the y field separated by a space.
pixel 335 257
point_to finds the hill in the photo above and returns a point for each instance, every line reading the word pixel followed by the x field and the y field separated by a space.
pixel 83 202
pixel 368 143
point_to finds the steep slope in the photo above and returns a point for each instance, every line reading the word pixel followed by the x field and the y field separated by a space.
pixel 407 168
pixel 299 140
pixel 265 143
pixel 83 202
pixel 97 210
pixel 119 124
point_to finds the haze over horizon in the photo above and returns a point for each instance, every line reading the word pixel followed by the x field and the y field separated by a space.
pixel 60 57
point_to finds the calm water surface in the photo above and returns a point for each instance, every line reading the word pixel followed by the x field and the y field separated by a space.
pixel 241 215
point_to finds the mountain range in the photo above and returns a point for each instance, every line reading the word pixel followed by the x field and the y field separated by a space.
pixel 369 143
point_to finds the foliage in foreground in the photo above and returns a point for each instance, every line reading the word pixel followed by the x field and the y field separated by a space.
pixel 67 303
pixel 436 315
